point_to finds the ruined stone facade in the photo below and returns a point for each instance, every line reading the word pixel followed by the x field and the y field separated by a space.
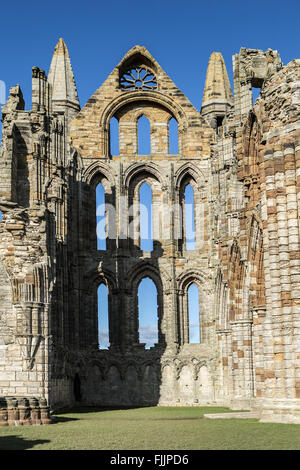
pixel 243 162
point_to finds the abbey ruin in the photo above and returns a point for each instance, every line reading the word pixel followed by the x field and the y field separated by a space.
pixel 242 160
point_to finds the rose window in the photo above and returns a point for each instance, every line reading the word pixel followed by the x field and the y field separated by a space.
pixel 138 78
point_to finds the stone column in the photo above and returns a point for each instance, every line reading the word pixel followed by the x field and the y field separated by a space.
pixel 242 358
pixel 225 341
pixel 296 306
pixel 259 314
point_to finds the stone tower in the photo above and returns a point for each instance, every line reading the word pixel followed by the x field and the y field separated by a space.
pixel 217 97
pixel 241 162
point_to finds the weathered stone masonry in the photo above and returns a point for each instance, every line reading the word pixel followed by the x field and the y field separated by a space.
pixel 243 164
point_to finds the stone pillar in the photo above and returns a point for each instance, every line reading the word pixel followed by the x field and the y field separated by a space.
pixel 245 97
pixel 128 144
pixel 290 280
pixel 12 411
pixel 259 314
pixel 3 412
pixel 35 411
pixel 296 306
pixel 40 90
pixel 242 359
pixel 44 411
pixel 159 138
pixel 225 342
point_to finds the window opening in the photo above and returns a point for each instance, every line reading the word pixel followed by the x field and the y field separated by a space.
pixel 148 312
pixel 103 320
pixel 173 136
pixel 100 217
pixel 146 229
pixel 144 138
pixel 189 218
pixel 114 136
pixel 193 314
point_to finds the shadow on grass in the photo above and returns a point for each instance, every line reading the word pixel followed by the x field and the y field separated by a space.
pixel 61 419
pixel 92 409
pixel 61 415
pixel 18 443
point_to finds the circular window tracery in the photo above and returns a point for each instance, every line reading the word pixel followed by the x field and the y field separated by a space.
pixel 138 78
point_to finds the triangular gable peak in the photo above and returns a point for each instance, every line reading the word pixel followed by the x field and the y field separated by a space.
pixel 138 56
pixel 139 86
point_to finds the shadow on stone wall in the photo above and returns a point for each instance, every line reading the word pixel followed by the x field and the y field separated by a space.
pixel 22 176
pixel 126 374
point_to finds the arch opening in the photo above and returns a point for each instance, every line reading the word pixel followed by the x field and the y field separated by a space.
pixel 148 312
pixel 193 314
pixel 100 217
pixel 146 229
pixel 189 217
pixel 114 136
pixel 144 136
pixel 173 136
pixel 103 317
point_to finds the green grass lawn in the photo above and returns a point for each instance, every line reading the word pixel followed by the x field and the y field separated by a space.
pixel 155 428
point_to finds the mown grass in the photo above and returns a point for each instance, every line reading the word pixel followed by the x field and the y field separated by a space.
pixel 154 428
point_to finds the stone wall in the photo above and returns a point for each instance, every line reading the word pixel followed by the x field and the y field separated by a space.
pixel 242 163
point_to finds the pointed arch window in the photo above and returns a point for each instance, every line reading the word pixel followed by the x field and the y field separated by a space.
pixel 193 314
pixel 144 136
pixel 114 136
pixel 189 217
pixel 100 217
pixel 103 317
pixel 173 136
pixel 147 312
pixel 146 229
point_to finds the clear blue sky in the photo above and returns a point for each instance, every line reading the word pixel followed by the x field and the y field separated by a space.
pixel 179 34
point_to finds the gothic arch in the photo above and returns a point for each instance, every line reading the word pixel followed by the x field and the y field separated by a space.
pixel 189 174
pixel 136 169
pixel 156 367
pixel 256 261
pixel 6 299
pixel 221 303
pixel 74 165
pixel 101 276
pixel 92 280
pixel 110 367
pixel 6 284
pixel 96 363
pixel 98 170
pixel 167 363
pixel 251 140
pixel 132 281
pixel 134 177
pixel 255 228
pixel 143 112
pixel 189 170
pixel 151 96
pixel 130 97
pixel 193 276
pixel 145 269
pixel 236 281
pixel 134 365
pixel 184 281
pixel 95 174
pixel 138 56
